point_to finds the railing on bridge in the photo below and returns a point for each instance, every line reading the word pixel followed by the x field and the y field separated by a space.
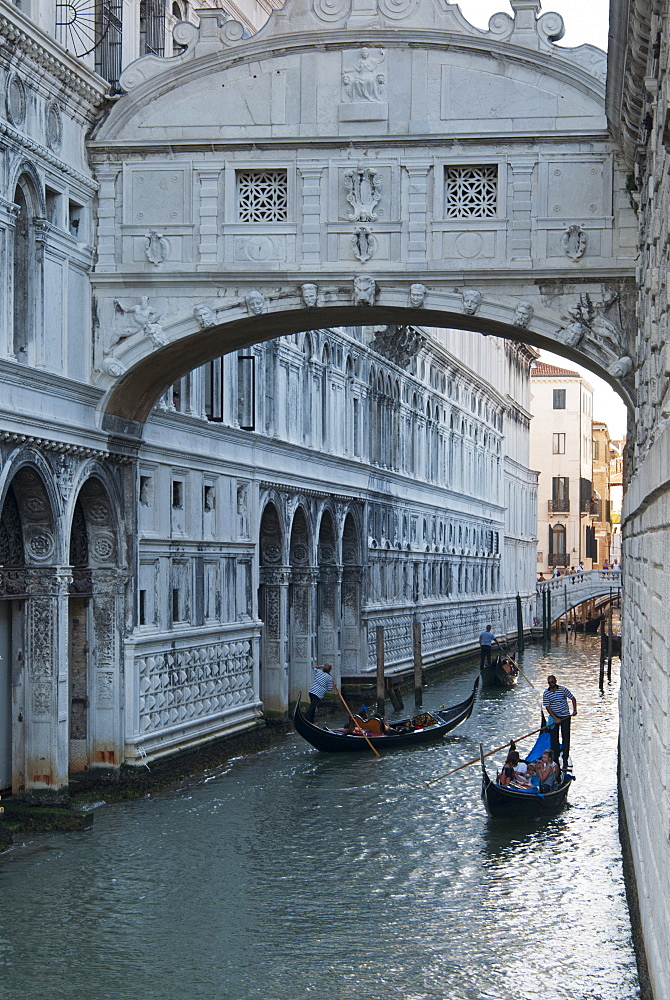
pixel 571 589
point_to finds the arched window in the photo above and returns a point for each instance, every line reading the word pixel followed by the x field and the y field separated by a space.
pixel 557 547
pixel 25 270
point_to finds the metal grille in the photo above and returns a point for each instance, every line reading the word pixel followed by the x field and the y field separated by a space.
pixel 108 52
pixel 152 27
pixel 262 195
pixel 471 192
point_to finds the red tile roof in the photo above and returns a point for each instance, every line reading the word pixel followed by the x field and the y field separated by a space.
pixel 542 370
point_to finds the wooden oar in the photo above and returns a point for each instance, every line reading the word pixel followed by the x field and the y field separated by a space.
pixel 476 760
pixel 512 660
pixel 356 724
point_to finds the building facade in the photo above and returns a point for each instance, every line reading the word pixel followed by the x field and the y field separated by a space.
pixel 569 509
pixel 286 499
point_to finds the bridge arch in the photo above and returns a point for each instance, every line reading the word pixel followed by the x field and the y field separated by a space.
pixel 245 194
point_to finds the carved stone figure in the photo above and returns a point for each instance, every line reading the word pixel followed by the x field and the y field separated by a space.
pixel 398 343
pixel 255 302
pixel 523 314
pixel 472 299
pixel 143 319
pixel 574 331
pixel 65 475
pixel 364 82
pixel 204 315
pixel 587 317
pixel 574 242
pixel 310 294
pixel 364 243
pixel 621 367
pixel 365 289
pixel 363 193
pixel 417 295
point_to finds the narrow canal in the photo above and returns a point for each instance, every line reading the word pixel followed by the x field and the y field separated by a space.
pixel 293 874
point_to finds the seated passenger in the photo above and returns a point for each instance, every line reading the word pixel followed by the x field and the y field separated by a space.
pixel 509 774
pixel 547 771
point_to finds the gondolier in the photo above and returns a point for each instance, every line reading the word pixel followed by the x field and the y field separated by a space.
pixel 322 682
pixel 555 700
pixel 486 639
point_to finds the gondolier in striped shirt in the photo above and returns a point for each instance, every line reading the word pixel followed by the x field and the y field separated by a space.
pixel 321 683
pixel 555 700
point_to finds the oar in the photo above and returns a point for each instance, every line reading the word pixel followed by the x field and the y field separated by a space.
pixel 476 760
pixel 512 660
pixel 356 724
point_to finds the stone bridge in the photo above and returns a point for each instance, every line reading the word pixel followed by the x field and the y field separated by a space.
pixel 569 591
pixel 359 162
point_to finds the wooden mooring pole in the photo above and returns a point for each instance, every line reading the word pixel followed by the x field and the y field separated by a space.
pixel 379 632
pixel 418 661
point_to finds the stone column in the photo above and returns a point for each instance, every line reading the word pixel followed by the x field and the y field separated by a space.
pixel 302 602
pixel 274 670
pixel 417 209
pixel 311 212
pixel 106 684
pixel 209 216
pixel 328 617
pixel 353 657
pixel 45 711
pixel 522 207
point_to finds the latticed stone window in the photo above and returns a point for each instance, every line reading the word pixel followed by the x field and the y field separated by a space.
pixel 262 195
pixel 471 192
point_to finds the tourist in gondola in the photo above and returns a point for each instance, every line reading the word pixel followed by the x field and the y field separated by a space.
pixel 486 640
pixel 555 700
pixel 547 771
pixel 509 774
pixel 322 682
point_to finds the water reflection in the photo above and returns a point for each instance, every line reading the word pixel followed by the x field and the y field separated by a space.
pixel 292 875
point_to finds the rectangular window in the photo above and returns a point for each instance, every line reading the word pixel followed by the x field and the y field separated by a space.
pixel 596 450
pixel 208 498
pixel 559 399
pixel 109 31
pixel 471 192
pixel 262 196
pixel 176 615
pixel 75 220
pixel 560 493
pixel 214 390
pixel 143 607
pixel 246 391
pixel 177 493
pixel 558 444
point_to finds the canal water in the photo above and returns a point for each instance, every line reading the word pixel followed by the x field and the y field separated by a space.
pixel 293 874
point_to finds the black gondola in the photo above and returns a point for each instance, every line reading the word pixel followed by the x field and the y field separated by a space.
pixel 405 733
pixel 494 674
pixel 505 802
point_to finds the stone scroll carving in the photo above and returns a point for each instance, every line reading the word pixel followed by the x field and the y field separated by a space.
pixel 363 193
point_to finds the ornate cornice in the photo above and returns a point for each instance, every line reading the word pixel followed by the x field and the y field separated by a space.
pixel 21 37
pixel 630 33
pixel 61 447
pixel 23 142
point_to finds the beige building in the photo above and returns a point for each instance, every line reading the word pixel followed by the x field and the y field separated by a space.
pixel 562 452
pixel 601 491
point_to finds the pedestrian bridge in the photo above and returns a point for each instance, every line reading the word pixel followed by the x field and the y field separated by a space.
pixel 569 591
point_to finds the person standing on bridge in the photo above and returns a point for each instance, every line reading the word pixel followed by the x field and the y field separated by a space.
pixel 486 640
pixel 555 700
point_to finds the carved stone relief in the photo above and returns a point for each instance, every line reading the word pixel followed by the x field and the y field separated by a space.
pixel 363 193
pixel 364 243
pixel 143 319
pixel 156 248
pixel 472 299
pixel 574 242
pixel 365 81
pixel 523 315
pixel 417 295
pixel 310 295
pixel 365 290
pixel 398 343
pixel 255 302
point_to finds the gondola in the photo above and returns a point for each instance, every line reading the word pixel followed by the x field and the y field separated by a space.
pixel 423 728
pixel 494 674
pixel 505 802
pixel 589 625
